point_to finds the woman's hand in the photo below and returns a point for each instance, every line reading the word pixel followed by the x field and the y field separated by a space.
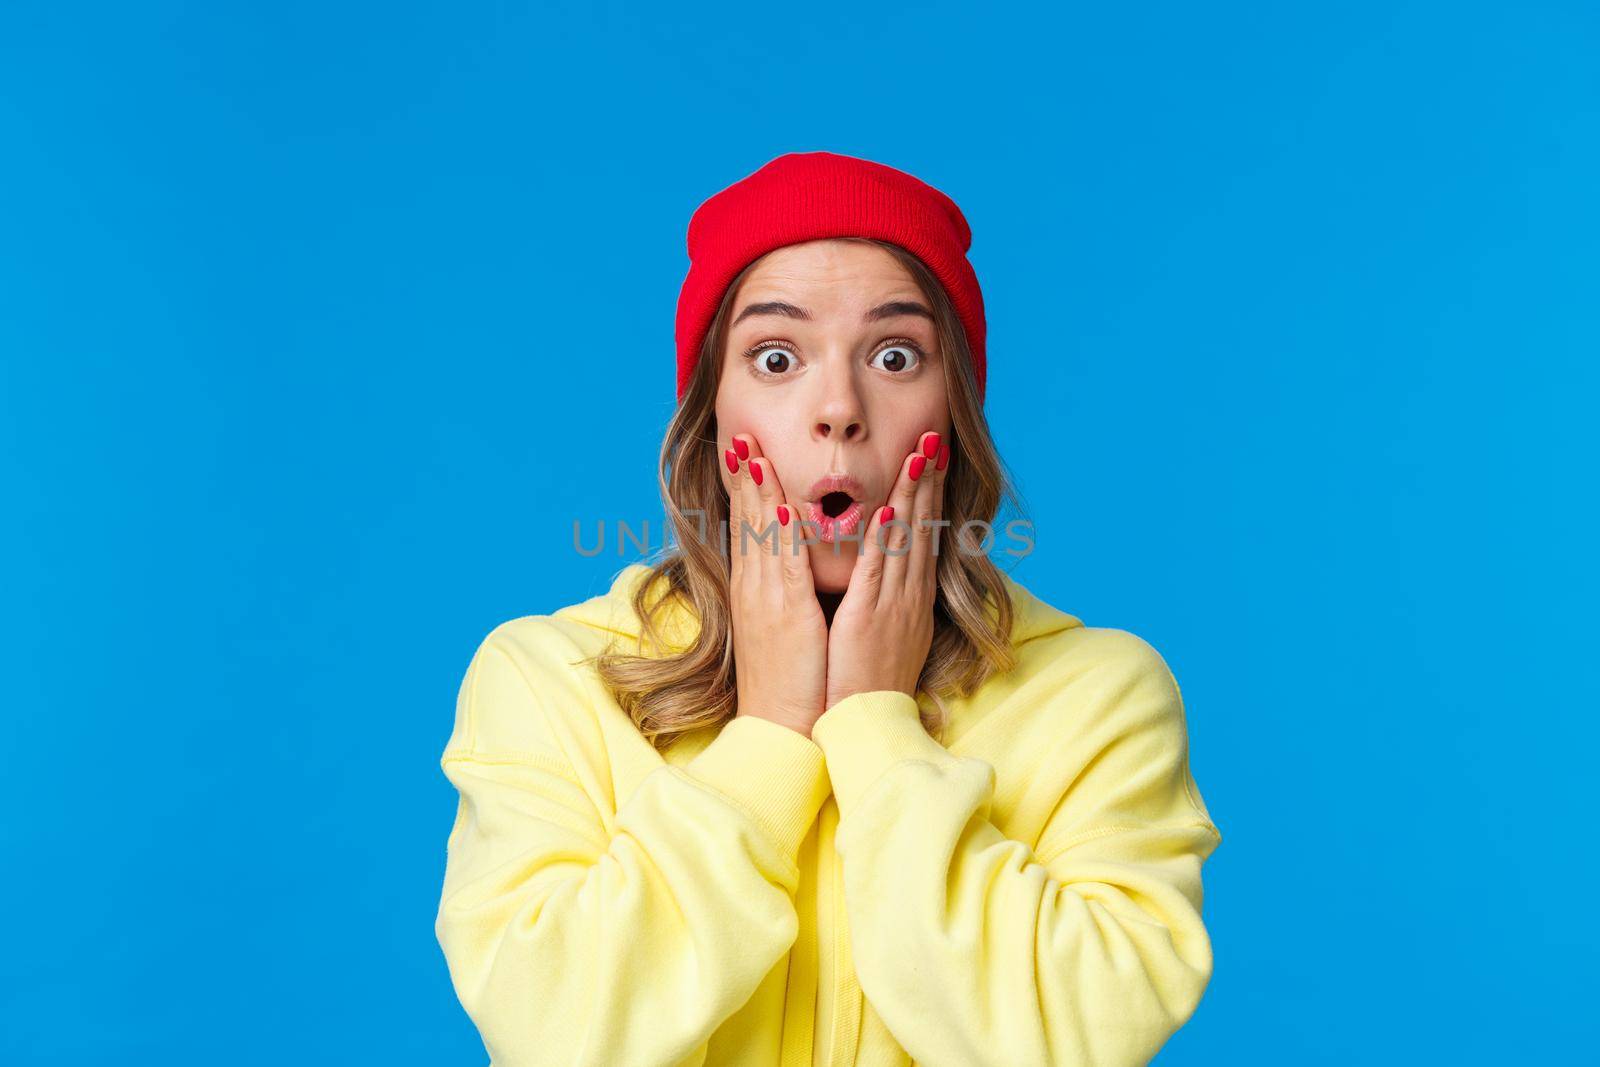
pixel 883 627
pixel 780 638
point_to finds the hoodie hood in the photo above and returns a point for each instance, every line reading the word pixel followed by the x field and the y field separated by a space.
pixel 612 613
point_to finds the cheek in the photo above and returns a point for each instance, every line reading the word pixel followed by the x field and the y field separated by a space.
pixel 732 412
pixel 764 424
pixel 935 413
pixel 729 422
pixel 911 421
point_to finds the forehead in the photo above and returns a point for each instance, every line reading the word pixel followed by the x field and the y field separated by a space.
pixel 829 275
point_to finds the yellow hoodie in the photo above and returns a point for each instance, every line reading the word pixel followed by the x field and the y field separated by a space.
pixel 1029 895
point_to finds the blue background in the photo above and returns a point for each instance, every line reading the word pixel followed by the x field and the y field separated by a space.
pixel 320 324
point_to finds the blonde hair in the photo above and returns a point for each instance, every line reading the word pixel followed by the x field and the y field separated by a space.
pixel 679 692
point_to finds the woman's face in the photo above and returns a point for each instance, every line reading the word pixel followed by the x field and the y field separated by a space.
pixel 846 377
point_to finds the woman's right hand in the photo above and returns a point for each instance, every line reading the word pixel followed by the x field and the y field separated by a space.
pixel 780 637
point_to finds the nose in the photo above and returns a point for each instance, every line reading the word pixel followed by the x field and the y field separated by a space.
pixel 848 429
pixel 839 417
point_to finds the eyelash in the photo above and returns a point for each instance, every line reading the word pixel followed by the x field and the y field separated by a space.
pixel 893 342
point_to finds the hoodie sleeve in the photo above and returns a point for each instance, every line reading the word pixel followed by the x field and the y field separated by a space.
pixel 576 933
pixel 972 948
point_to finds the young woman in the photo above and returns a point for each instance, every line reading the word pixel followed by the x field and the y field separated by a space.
pixel 848 794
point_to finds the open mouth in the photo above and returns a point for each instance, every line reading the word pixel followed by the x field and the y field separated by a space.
pixel 836 514
pixel 834 504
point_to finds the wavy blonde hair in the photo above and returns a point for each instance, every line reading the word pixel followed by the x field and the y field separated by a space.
pixel 670 694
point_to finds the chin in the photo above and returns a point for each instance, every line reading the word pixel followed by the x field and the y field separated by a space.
pixel 830 570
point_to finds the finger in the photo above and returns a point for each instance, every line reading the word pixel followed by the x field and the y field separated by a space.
pixel 791 563
pixel 765 538
pixel 747 542
pixel 903 499
pixel 942 466
pixel 730 460
pixel 921 568
pixel 866 576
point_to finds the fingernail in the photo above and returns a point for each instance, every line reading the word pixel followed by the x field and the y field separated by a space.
pixel 783 515
pixel 741 448
pixel 755 470
pixel 930 444
pixel 886 514
pixel 917 463
pixel 944 457
pixel 733 460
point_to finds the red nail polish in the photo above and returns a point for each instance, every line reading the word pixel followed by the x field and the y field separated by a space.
pixel 885 515
pixel 930 445
pixel 944 457
pixel 783 515
pixel 917 463
pixel 755 470
pixel 733 460
pixel 741 448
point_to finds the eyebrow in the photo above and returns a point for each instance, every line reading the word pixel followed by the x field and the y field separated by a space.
pixel 886 310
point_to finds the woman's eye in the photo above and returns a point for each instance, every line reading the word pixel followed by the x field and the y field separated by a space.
pixel 772 361
pixel 898 358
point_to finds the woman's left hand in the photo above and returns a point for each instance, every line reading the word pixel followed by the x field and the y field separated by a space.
pixel 883 627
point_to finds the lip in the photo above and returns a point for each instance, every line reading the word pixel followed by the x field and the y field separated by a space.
pixel 837 483
pixel 829 527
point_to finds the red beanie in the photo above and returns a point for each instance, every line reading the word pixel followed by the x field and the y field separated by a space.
pixel 803 196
